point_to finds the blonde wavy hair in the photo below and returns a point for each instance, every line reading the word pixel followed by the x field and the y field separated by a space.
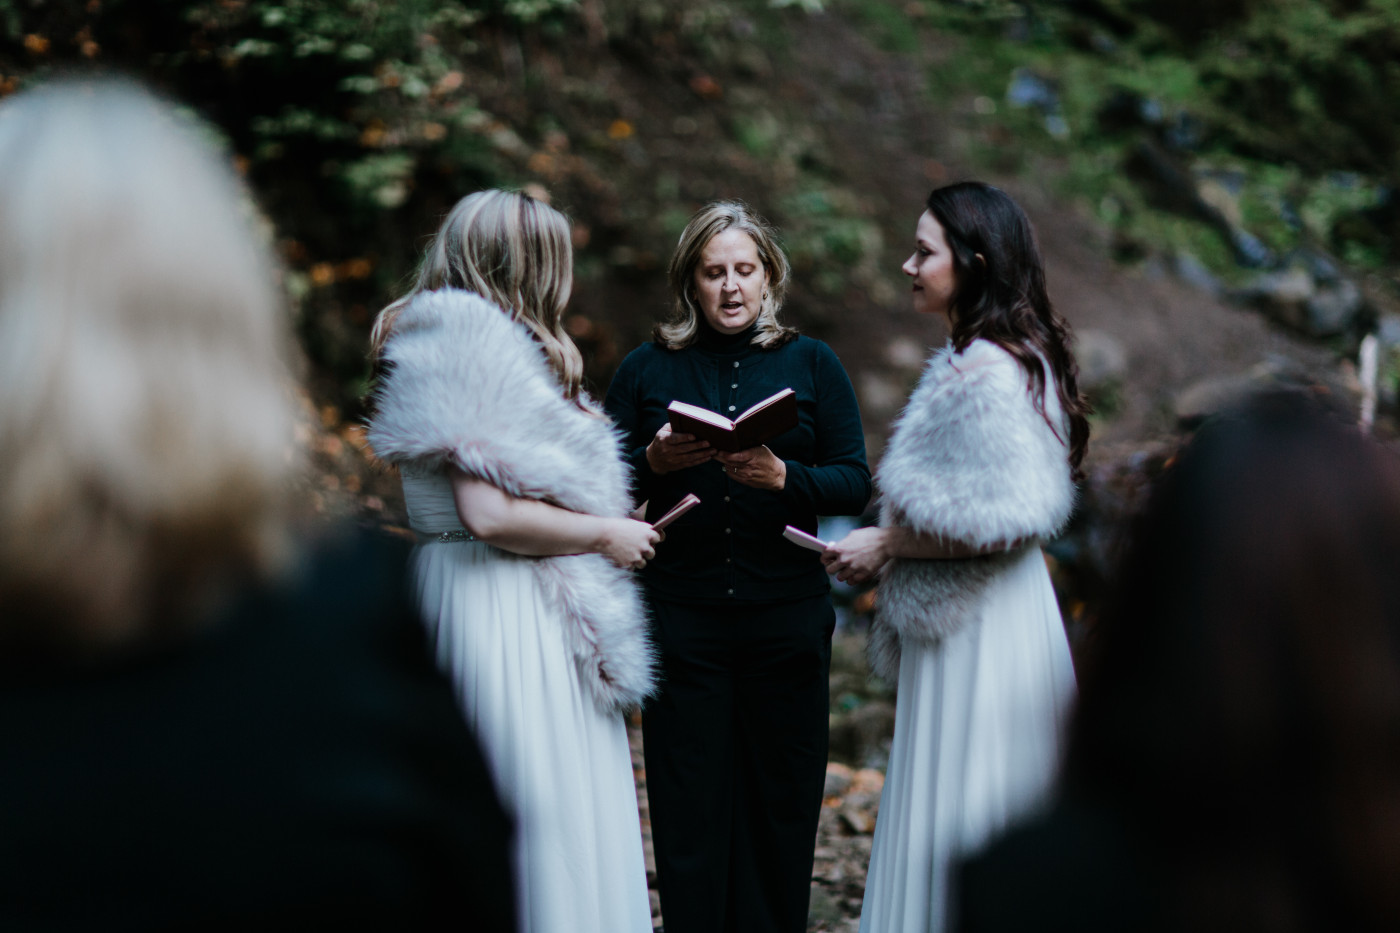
pixel 146 412
pixel 711 220
pixel 515 251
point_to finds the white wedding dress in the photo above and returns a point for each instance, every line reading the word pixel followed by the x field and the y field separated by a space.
pixel 979 726
pixel 561 765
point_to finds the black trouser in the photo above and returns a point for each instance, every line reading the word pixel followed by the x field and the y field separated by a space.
pixel 736 748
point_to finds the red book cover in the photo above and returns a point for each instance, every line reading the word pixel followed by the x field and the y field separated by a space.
pixel 759 424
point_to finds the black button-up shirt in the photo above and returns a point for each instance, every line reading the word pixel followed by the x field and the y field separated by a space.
pixel 730 547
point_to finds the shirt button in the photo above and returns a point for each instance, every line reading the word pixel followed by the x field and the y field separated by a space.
pixel 736 364
pixel 731 592
pixel 731 407
pixel 729 560
pixel 728 530
pixel 726 498
pixel 733 385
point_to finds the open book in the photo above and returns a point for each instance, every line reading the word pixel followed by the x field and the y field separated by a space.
pixel 690 501
pixel 758 425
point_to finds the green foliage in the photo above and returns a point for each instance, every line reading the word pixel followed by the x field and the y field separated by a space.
pixel 886 22
pixel 381 179
pixel 829 239
pixel 760 133
pixel 342 115
pixel 1313 82
pixel 715 31
pixel 530 11
pixel 1107 402
pixel 1284 95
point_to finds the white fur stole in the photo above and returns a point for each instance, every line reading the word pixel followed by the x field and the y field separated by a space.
pixel 971 460
pixel 468 386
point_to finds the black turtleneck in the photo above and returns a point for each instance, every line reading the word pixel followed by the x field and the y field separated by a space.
pixel 730 547
pixel 713 341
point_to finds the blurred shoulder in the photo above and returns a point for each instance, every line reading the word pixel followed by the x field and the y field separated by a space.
pixel 809 351
pixel 648 352
pixel 811 347
pixel 446 306
pixel 983 355
pixel 982 362
pixel 452 321
pixel 647 363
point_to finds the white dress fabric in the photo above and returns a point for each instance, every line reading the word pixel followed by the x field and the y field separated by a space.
pixel 977 743
pixel 561 764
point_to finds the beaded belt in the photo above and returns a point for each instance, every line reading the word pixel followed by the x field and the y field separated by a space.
pixel 449 536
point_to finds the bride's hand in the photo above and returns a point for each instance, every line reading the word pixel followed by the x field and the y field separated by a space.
pixel 858 557
pixel 628 543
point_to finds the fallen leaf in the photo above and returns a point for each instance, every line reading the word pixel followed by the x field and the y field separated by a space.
pixel 448 83
pixel 541 163
pixel 706 87
pixel 372 135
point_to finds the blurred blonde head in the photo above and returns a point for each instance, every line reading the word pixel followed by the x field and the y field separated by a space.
pixel 145 407
pixel 515 251
pixel 706 224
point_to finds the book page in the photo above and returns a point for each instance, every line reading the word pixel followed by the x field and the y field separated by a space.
pixel 776 396
pixel 702 414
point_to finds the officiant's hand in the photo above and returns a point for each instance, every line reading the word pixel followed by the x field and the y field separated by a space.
pixel 758 467
pixel 669 451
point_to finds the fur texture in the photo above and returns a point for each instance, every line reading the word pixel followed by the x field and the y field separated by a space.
pixel 971 460
pixel 465 385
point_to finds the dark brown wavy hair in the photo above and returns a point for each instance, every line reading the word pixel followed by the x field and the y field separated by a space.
pixel 1002 298
pixel 1240 695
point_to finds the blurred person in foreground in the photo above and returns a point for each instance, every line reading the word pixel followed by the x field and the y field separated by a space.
pixel 1234 763
pixel 208 719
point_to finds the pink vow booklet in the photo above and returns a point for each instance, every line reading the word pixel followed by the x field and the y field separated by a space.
pixel 800 538
pixel 690 501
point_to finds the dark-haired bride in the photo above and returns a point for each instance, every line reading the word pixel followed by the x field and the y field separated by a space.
pixel 978 472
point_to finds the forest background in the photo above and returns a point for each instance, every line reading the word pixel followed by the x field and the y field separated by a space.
pixel 1214 180
pixel 1214 183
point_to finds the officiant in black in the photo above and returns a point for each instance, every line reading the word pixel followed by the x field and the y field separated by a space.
pixel 736 741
